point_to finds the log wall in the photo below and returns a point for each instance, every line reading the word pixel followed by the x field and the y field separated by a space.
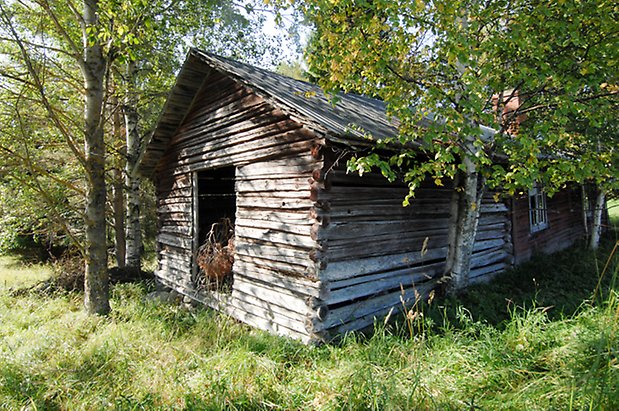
pixel 275 285
pixel 565 225
pixel 379 255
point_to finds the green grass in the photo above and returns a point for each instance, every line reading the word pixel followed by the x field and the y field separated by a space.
pixel 613 211
pixel 15 274
pixel 519 344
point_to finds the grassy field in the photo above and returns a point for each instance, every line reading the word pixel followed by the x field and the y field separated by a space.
pixel 613 211
pixel 15 274
pixel 535 340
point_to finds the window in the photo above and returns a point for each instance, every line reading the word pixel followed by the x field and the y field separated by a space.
pixel 538 214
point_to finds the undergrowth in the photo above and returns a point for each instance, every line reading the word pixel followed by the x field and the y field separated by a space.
pixel 533 340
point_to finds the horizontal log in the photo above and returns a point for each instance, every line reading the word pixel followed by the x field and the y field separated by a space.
pixel 299 166
pixel 241 305
pixel 288 140
pixel 281 204
pixel 184 231
pixel 179 192
pixel 486 244
pixel 183 258
pixel 308 269
pixel 209 139
pixel 185 208
pixel 387 245
pixel 298 264
pixel 379 229
pixel 274 184
pixel 380 283
pixel 494 255
pixel 265 324
pixel 274 295
pixel 383 211
pixel 298 285
pixel 490 269
pixel 276 195
pixel 489 234
pixel 348 269
pixel 300 229
pixel 346 318
pixel 166 182
pixel 176 241
pixel 300 217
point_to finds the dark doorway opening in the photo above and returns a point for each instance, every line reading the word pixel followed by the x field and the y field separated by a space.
pixel 214 219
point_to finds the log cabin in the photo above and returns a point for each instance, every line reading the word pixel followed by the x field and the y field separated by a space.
pixel 312 251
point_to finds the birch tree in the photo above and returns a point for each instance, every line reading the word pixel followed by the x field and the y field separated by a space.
pixel 61 56
pixel 447 68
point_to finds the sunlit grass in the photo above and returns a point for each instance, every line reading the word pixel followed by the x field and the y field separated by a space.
pixel 145 355
pixel 613 211
pixel 15 274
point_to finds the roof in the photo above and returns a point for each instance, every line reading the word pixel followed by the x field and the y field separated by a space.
pixel 349 121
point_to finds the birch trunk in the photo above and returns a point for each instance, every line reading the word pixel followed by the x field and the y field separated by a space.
pixel 596 229
pixel 119 218
pixel 466 202
pixel 118 203
pixel 132 182
pixel 96 287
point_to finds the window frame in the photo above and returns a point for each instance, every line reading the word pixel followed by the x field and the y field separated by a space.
pixel 538 209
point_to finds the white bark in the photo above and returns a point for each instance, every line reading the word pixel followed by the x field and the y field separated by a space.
pixel 596 229
pixel 118 192
pixel 96 287
pixel 132 182
pixel 468 196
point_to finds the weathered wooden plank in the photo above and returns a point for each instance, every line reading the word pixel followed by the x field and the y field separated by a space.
pixel 352 251
pixel 296 217
pixel 367 309
pixel 272 184
pixel 299 285
pixel 493 268
pixel 242 157
pixel 301 165
pixel 185 231
pixel 184 208
pixel 274 203
pixel 265 324
pixel 176 241
pixel 278 253
pixel 173 200
pixel 486 244
pixel 494 255
pixel 288 141
pixel 489 234
pixel 301 229
pixel 347 269
pixel 208 137
pixel 379 283
pixel 411 242
pixel 308 270
pixel 356 230
pixel 300 194
pixel 274 295
pixel 383 211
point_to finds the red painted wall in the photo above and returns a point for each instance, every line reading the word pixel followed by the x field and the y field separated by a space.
pixel 565 225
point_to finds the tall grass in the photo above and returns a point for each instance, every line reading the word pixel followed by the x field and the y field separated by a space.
pixel 543 345
pixel 14 273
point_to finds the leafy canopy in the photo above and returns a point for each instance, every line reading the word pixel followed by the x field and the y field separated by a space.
pixel 465 63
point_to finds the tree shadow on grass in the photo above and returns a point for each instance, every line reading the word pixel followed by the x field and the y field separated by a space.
pixel 560 283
